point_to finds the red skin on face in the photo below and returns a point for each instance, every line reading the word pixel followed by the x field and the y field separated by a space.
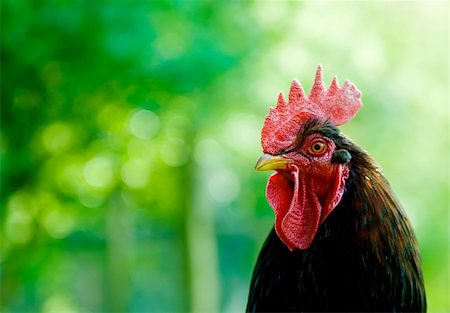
pixel 305 193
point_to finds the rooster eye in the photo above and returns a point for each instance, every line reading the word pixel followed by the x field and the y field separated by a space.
pixel 317 147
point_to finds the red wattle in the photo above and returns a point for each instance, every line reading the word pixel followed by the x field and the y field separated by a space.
pixel 298 210
pixel 302 220
pixel 279 195
pixel 297 215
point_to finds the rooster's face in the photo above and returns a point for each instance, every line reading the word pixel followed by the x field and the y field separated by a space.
pixel 311 169
pixel 308 184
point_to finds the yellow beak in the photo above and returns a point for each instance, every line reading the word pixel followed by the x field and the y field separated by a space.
pixel 269 162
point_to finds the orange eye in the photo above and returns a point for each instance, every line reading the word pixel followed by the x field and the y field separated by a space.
pixel 318 147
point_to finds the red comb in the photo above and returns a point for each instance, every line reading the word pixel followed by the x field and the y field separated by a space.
pixel 338 105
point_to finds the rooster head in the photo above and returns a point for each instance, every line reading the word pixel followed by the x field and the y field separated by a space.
pixel 311 171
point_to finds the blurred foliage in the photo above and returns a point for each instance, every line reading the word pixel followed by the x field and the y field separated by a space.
pixel 129 131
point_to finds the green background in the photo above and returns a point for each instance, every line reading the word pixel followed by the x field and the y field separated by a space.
pixel 129 132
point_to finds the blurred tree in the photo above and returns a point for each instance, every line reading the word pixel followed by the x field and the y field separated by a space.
pixel 79 160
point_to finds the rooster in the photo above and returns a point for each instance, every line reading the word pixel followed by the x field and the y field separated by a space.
pixel 341 241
